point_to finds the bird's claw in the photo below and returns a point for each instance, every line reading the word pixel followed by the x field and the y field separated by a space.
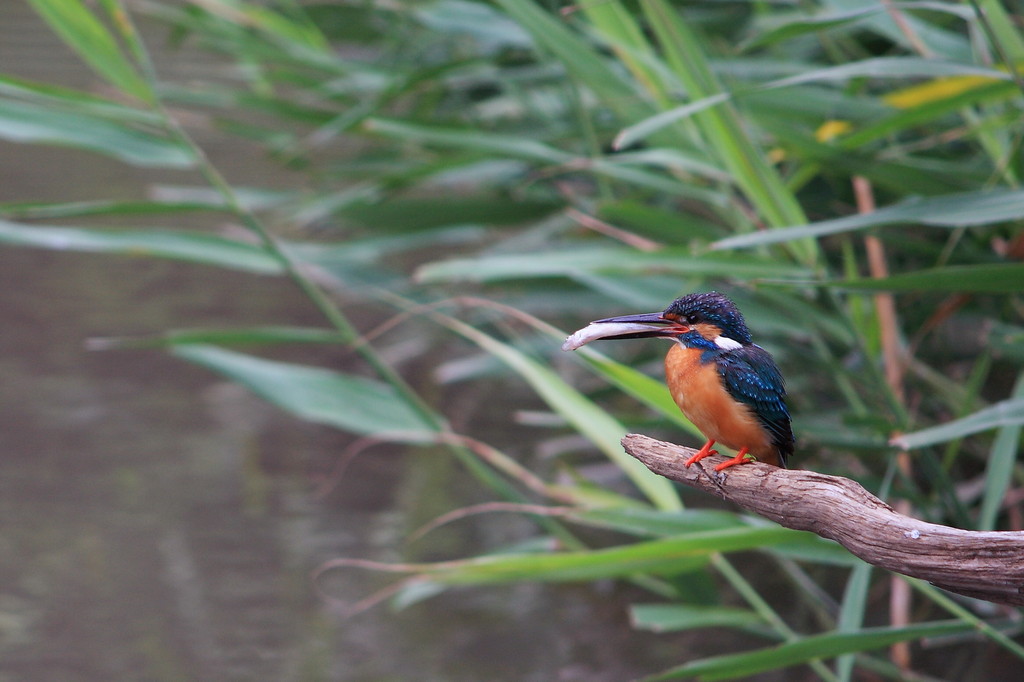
pixel 741 458
pixel 705 451
pixel 698 457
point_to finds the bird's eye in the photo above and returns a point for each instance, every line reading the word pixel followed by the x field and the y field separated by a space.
pixel 694 318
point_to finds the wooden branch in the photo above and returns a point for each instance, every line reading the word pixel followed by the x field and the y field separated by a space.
pixel 983 564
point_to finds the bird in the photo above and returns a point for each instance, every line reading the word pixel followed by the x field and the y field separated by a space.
pixel 726 385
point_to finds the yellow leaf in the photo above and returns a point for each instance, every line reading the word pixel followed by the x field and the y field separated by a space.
pixel 935 91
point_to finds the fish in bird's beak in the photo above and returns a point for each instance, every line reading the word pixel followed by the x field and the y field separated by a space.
pixel 640 326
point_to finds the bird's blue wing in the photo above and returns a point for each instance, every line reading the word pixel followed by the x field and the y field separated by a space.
pixel 751 377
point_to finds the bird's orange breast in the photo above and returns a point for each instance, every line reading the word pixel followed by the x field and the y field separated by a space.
pixel 699 392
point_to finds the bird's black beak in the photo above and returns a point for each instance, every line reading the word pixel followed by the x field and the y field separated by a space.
pixel 644 325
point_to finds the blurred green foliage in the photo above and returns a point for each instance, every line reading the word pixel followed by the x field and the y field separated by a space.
pixel 474 168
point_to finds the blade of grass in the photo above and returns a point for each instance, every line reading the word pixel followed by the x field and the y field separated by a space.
pixel 965 209
pixel 999 466
pixel 75 209
pixel 788 27
pixel 677 617
pixel 187 246
pixel 294 30
pixel 241 336
pixel 646 522
pixel 41 124
pixel 565 263
pixel 851 617
pixel 82 31
pixel 481 21
pixel 736 666
pixel 315 394
pixel 666 556
pixel 1006 413
pixel 995 278
pixel 69 99
pixel 1004 28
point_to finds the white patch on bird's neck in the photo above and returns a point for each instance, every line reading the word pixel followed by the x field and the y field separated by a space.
pixel 725 343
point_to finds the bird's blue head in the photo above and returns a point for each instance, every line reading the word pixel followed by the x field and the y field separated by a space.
pixel 711 314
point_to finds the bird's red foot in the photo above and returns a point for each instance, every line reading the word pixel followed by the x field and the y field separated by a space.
pixel 741 458
pixel 705 451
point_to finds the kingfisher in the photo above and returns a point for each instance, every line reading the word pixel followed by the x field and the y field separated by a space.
pixel 729 387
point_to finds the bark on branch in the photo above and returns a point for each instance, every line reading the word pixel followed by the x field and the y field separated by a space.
pixel 983 564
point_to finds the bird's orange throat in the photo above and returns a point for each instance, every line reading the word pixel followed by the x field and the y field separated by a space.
pixel 699 392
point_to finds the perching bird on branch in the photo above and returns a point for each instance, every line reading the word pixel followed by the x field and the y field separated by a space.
pixel 726 385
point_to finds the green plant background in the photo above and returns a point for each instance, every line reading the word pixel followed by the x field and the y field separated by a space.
pixel 469 181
